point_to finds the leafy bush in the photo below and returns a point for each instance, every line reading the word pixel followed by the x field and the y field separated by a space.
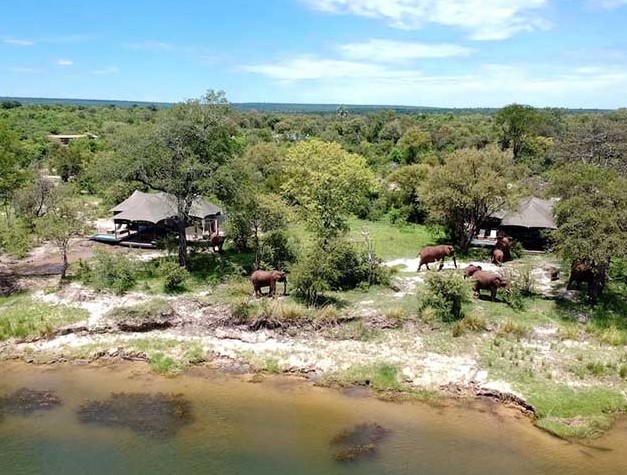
pixel 15 238
pixel 110 271
pixel 173 275
pixel 524 281
pixel 277 251
pixel 341 266
pixel 241 311
pixel 517 250
pixel 445 293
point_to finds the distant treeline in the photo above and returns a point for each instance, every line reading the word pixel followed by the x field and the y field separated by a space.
pixel 9 102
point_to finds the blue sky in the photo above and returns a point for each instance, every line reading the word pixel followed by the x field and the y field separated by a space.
pixel 463 53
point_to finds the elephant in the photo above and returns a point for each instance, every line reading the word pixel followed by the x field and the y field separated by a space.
pixel 216 241
pixel 485 280
pixel 264 278
pixel 580 272
pixel 503 244
pixel 431 254
pixel 497 257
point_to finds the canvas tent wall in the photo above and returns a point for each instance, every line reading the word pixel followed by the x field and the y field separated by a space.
pixel 530 223
pixel 156 209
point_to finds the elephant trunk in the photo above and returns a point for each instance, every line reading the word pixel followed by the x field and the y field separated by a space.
pixel 285 287
pixel 454 261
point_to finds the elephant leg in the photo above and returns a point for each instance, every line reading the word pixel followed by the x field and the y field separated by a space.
pixel 493 293
pixel 419 266
pixel 272 288
pixel 427 266
pixel 441 265
pixel 257 291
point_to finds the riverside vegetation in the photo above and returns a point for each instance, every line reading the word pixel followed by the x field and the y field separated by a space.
pixel 344 202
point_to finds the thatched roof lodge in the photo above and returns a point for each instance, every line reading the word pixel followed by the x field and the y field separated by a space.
pixel 142 218
pixel 529 224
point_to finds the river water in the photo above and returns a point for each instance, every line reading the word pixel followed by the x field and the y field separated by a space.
pixel 279 426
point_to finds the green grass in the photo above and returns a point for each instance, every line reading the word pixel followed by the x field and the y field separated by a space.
pixel 574 412
pixel 169 357
pixel 379 376
pixel 390 241
pixel 22 317
pixel 139 311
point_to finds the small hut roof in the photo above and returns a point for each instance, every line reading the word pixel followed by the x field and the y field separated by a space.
pixel 155 207
pixel 533 213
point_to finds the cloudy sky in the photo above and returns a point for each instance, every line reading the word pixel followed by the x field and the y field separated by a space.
pixel 567 53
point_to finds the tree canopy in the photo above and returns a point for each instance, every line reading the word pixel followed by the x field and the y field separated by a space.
pixel 326 182
pixel 472 185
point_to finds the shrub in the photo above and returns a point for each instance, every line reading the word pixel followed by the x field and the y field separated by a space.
pixel 445 293
pixel 111 271
pixel 339 266
pixel 241 311
pixel 15 238
pixel 174 275
pixel 473 322
pixel 277 251
pixel 523 281
pixel 512 328
pixel 517 250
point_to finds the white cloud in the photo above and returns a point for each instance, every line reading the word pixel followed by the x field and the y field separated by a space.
pixel 312 79
pixel 392 51
pixel 608 4
pixel 106 71
pixel 312 67
pixel 64 62
pixel 483 19
pixel 18 42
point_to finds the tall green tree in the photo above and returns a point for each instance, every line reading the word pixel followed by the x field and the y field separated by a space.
pixel 592 218
pixel 326 183
pixel 517 123
pixel 66 219
pixel 470 186
pixel 12 173
pixel 180 152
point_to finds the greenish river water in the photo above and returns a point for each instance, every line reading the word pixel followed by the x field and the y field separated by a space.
pixel 279 426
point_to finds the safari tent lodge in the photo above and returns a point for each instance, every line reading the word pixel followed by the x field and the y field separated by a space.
pixel 144 218
pixel 529 225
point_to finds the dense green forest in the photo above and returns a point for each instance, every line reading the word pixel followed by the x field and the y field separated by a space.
pixel 269 168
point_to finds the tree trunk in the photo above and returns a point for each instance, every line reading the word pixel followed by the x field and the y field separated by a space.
pixel 180 226
pixel 65 264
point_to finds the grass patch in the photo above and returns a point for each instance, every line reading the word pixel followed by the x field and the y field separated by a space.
pixel 511 328
pixel 165 364
pixel 169 357
pixel 140 311
pixel 570 412
pixel 355 330
pixel 390 240
pixel 379 376
pixel 24 317
pixel 474 322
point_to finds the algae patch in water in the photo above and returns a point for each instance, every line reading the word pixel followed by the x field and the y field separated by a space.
pixel 26 401
pixel 360 441
pixel 157 415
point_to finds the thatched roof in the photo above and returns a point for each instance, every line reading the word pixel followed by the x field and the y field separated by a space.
pixel 155 207
pixel 532 213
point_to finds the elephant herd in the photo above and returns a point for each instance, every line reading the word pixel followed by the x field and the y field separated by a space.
pixel 482 280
